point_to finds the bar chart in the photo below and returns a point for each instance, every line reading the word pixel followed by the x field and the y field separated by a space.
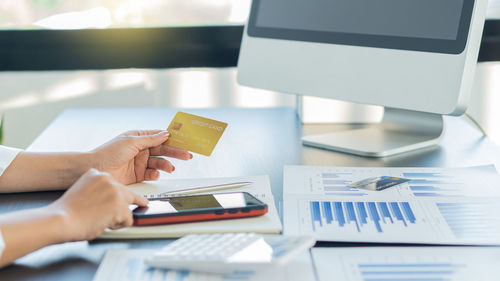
pixel 452 206
pixel 408 271
pixel 336 184
pixel 407 263
pixel 426 175
pixel 471 220
pixel 424 183
pixel 433 185
pixel 361 215
pixel 137 270
pixel 129 265
pixel 134 269
pixel 450 185
pixel 428 221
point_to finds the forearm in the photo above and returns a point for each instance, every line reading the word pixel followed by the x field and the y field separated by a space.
pixel 30 230
pixel 44 171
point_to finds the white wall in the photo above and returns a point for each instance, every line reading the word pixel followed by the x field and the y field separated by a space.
pixel 484 106
pixel 31 100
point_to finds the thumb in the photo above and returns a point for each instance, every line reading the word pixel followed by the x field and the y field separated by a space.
pixel 145 142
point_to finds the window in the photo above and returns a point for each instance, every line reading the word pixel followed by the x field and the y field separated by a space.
pixel 75 14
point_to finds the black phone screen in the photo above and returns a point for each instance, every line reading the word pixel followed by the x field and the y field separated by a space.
pixel 198 203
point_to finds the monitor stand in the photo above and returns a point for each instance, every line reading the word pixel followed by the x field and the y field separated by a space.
pixel 399 131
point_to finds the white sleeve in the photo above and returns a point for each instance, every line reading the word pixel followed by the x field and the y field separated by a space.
pixel 7 154
pixel 2 244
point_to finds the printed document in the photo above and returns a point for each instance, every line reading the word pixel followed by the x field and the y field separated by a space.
pixel 408 263
pixel 437 206
pixel 128 265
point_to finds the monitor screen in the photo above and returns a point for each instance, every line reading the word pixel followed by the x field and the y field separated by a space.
pixel 423 25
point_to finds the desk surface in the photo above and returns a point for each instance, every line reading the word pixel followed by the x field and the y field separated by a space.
pixel 257 141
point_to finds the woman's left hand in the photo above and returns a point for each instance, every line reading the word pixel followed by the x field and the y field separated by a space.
pixel 136 156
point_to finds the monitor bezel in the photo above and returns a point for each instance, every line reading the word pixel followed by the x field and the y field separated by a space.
pixel 456 46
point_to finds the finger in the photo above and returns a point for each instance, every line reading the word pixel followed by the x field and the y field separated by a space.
pixel 160 164
pixel 117 224
pixel 140 165
pixel 114 226
pixel 123 219
pixel 165 150
pixel 128 219
pixel 137 133
pixel 117 221
pixel 133 198
pixel 151 175
pixel 147 141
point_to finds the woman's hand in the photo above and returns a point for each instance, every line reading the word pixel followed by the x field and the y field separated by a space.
pixel 95 202
pixel 132 157
pixel 136 156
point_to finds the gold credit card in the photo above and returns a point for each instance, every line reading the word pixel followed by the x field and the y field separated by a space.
pixel 195 133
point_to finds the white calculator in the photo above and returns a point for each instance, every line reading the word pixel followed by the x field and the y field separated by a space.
pixel 229 252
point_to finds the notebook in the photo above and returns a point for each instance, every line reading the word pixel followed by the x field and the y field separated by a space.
pixel 267 224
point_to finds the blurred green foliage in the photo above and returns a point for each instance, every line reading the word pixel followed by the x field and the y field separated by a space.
pixel 49 4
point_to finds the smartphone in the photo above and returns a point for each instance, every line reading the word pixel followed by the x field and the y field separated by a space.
pixel 199 208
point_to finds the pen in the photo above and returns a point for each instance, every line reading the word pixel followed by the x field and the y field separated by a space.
pixel 205 188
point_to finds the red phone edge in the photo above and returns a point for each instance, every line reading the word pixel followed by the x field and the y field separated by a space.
pixel 198 217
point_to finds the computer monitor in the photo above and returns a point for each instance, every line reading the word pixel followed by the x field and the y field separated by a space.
pixel 415 58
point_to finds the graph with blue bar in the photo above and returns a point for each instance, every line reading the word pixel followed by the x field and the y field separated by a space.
pixel 423 183
pixel 137 270
pixel 361 215
pixel 452 206
pixel 433 185
pixel 336 184
pixel 407 263
pixel 451 185
pixel 129 265
pixel 408 271
pixel 471 220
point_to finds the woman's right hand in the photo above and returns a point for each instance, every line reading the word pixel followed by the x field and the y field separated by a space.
pixel 95 202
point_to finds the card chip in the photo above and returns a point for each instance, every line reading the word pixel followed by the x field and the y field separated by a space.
pixel 177 126
pixel 195 133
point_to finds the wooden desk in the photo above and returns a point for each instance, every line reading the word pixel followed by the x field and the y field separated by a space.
pixel 257 141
